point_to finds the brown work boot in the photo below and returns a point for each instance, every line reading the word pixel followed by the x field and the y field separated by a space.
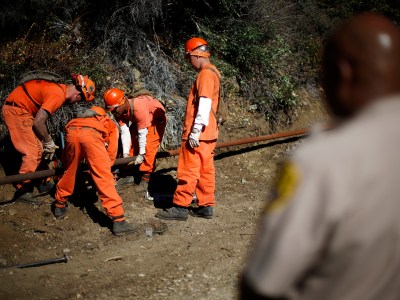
pixel 123 227
pixel 142 187
pixel 126 180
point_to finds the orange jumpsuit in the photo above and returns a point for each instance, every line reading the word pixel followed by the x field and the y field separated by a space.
pixel 94 139
pixel 19 112
pixel 146 112
pixel 196 172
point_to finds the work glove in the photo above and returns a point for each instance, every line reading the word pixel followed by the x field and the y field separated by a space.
pixel 194 137
pixel 49 149
pixel 139 159
pixel 129 163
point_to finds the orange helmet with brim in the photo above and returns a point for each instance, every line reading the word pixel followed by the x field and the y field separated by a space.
pixel 113 98
pixel 196 47
pixel 85 85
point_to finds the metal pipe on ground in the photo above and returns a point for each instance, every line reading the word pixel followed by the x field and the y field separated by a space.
pixel 250 140
pixel 63 259
pixel 161 154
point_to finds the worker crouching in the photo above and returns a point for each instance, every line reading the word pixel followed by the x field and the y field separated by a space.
pixel 143 137
pixel 93 136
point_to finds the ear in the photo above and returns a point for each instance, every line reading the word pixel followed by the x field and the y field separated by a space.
pixel 346 100
pixel 346 73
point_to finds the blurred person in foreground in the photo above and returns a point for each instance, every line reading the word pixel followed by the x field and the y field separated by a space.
pixel 142 122
pixel 196 171
pixel 25 113
pixel 333 231
pixel 93 137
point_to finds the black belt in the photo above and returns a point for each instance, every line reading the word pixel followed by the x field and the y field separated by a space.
pixel 11 104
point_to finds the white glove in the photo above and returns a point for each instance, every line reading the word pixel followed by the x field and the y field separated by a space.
pixel 139 159
pixel 194 137
pixel 49 149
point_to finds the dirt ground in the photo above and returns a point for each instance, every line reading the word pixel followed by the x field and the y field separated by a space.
pixel 197 259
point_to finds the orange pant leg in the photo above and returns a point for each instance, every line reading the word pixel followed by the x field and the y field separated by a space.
pixel 188 173
pixel 100 169
pixel 19 124
pixel 196 173
pixel 205 189
pixel 72 157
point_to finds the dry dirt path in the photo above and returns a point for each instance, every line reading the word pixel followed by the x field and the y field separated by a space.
pixel 196 259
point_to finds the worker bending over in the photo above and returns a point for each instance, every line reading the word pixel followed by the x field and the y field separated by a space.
pixel 93 136
pixel 143 137
pixel 25 113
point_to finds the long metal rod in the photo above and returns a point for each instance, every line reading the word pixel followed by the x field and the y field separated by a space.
pixel 41 263
pixel 161 154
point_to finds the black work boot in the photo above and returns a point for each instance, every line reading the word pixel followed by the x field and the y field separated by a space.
pixel 25 195
pixel 173 213
pixel 201 212
pixel 60 212
pixel 123 227
pixel 46 187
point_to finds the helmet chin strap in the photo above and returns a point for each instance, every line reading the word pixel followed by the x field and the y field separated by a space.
pixel 83 81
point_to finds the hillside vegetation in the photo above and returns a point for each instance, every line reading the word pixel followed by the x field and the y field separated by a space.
pixel 267 50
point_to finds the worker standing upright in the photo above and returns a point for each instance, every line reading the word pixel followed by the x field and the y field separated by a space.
pixel 144 136
pixel 93 136
pixel 196 172
pixel 25 113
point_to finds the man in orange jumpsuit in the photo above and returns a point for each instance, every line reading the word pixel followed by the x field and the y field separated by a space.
pixel 196 172
pixel 93 136
pixel 147 115
pixel 25 113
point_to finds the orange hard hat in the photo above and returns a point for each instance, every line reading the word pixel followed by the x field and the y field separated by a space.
pixel 85 85
pixel 196 46
pixel 99 110
pixel 113 98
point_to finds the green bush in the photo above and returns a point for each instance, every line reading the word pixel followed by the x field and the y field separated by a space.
pixel 268 48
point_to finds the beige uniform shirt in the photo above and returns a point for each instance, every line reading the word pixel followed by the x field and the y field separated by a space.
pixel 333 231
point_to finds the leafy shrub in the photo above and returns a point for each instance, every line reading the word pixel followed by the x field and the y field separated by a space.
pixel 266 49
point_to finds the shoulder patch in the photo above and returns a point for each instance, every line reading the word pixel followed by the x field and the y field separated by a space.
pixel 286 185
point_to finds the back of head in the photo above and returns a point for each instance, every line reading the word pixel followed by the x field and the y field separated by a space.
pixel 361 63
